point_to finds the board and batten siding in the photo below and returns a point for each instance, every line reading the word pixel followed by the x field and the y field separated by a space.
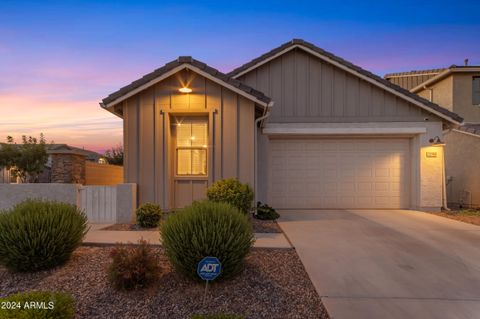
pixel 307 89
pixel 149 148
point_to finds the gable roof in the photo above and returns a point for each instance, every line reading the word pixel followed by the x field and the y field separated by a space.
pixel 173 67
pixel 445 73
pixel 351 68
pixel 411 79
pixel 470 128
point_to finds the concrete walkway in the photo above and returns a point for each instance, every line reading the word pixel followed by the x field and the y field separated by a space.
pixel 389 264
pixel 97 236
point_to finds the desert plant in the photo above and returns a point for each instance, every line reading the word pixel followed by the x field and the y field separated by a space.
pixel 233 192
pixel 265 212
pixel 132 267
pixel 149 215
pixel 38 305
pixel 37 235
pixel 217 316
pixel 207 229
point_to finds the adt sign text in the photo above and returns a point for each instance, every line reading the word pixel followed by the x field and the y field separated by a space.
pixel 209 268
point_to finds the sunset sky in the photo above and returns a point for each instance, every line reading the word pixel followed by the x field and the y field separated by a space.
pixel 59 59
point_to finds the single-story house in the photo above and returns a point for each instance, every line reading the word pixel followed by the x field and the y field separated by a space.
pixel 305 128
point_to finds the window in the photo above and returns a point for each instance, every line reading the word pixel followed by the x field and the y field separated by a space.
pixel 476 90
pixel 191 147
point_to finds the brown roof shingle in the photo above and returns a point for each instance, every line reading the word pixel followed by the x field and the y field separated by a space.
pixel 186 60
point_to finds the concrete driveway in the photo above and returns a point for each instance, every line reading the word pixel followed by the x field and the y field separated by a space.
pixel 389 264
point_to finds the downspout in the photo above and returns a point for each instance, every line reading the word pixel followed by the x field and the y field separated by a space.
pixel 266 114
pixel 444 174
pixel 444 182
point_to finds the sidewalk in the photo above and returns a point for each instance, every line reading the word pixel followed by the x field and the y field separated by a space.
pixel 97 236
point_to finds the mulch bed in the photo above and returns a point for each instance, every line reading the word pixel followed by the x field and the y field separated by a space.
pixel 273 285
pixel 265 226
pixel 133 227
pixel 466 216
pixel 259 226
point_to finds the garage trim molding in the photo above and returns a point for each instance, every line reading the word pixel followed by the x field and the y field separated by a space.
pixel 300 129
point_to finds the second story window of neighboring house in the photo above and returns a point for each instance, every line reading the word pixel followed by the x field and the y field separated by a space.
pixel 476 90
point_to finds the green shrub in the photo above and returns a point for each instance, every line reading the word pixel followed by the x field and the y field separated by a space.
pixel 217 316
pixel 233 192
pixel 265 212
pixel 37 235
pixel 132 267
pixel 207 229
pixel 149 215
pixel 58 306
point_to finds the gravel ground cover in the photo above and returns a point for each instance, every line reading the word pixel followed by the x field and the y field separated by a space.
pixel 471 216
pixel 259 226
pixel 265 226
pixel 273 285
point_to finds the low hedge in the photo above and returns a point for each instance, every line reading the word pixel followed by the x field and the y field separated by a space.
pixel 148 215
pixel 233 192
pixel 207 229
pixel 37 305
pixel 37 235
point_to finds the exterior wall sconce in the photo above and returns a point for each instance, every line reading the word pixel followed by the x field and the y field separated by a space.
pixel 436 141
pixel 185 90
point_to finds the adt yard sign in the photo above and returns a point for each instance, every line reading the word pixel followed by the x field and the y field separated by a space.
pixel 209 268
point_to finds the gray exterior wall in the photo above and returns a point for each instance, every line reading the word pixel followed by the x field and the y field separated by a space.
pixel 11 194
pixel 149 147
pixel 462 158
pixel 306 89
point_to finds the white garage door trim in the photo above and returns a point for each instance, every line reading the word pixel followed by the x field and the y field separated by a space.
pixel 340 173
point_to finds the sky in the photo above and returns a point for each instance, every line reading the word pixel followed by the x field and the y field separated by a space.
pixel 58 59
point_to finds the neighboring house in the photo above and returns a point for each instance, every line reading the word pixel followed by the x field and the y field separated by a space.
pixel 45 175
pixel 456 88
pixel 305 128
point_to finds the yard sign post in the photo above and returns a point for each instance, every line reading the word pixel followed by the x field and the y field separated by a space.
pixel 208 269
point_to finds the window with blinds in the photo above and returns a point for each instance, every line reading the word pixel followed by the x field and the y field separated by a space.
pixel 191 147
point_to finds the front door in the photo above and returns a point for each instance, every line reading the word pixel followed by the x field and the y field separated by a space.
pixel 190 141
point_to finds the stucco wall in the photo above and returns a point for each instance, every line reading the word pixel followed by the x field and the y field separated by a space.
pixel 441 93
pixel 462 155
pixel 98 206
pixel 11 194
pixel 462 97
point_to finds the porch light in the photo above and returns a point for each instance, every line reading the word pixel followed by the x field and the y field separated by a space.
pixel 436 141
pixel 185 90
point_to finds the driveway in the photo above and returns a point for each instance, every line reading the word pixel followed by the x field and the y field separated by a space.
pixel 389 264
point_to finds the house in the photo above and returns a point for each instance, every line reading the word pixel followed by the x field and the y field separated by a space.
pixel 457 88
pixel 46 175
pixel 305 128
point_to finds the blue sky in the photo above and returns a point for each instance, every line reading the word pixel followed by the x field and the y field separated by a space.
pixel 57 58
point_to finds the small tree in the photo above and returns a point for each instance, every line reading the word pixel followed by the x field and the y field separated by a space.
pixel 26 160
pixel 114 155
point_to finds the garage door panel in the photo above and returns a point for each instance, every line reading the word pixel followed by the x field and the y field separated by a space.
pixel 339 173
